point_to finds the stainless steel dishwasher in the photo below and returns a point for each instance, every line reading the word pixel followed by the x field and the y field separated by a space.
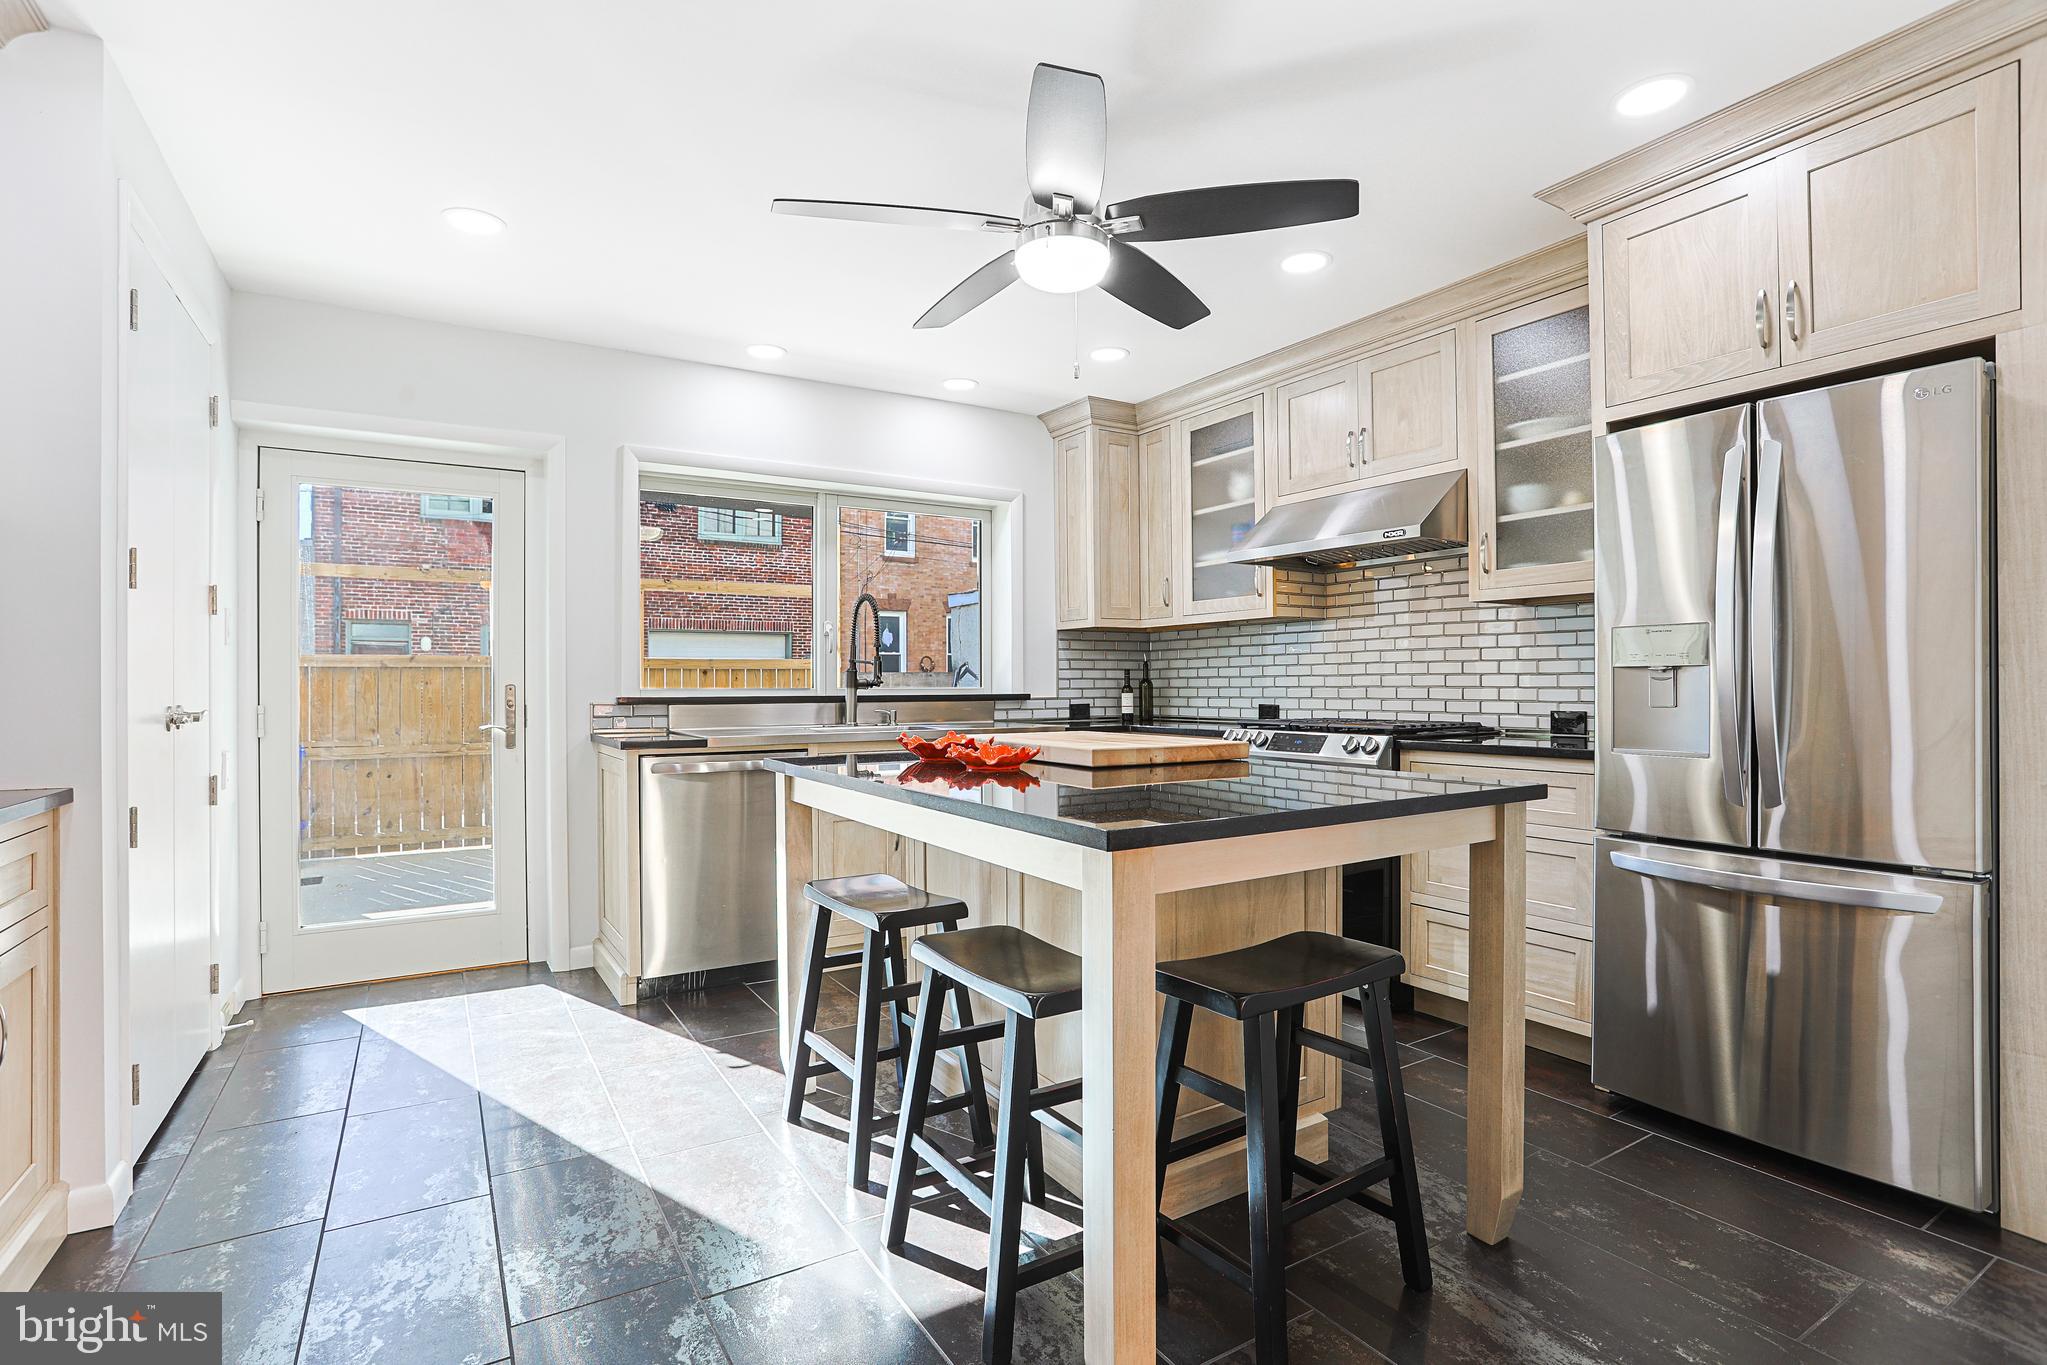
pixel 707 862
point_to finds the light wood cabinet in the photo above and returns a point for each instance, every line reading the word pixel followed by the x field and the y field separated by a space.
pixel 1158 524
pixel 1218 478
pixel 1100 561
pixel 32 1198
pixel 1687 285
pixel 1390 415
pixel 1435 923
pixel 1529 428
pixel 1903 223
pixel 846 848
pixel 1891 228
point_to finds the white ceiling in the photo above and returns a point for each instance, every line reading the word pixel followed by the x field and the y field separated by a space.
pixel 633 146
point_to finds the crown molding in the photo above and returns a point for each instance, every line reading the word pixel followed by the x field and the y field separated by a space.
pixel 1081 412
pixel 19 18
pixel 1878 71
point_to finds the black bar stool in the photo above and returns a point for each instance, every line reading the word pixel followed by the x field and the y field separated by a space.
pixel 1267 987
pixel 1031 980
pixel 883 907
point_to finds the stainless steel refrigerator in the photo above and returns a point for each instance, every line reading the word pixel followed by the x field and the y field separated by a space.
pixel 1794 896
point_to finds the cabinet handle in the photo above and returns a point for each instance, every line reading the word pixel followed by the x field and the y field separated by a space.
pixel 3 1035
pixel 1763 318
pixel 1349 454
pixel 1257 584
pixel 1166 589
pixel 1485 554
pixel 1791 311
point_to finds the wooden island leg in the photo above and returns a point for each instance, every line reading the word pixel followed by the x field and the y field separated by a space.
pixel 793 826
pixel 1493 1112
pixel 1119 1045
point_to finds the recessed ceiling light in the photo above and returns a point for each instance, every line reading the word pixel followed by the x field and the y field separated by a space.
pixel 1305 262
pixel 762 350
pixel 1108 355
pixel 1652 96
pixel 475 222
pixel 962 385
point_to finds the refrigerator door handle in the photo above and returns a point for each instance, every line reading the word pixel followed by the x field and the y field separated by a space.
pixel 1724 879
pixel 1729 685
pixel 1765 629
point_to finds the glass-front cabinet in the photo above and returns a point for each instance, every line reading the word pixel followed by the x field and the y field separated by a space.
pixel 1219 471
pixel 1532 531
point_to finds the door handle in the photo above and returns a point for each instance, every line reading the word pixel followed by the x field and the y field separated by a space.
pixel 1788 888
pixel 177 717
pixel 1728 684
pixel 509 728
pixel 1763 318
pixel 1791 311
pixel 1764 641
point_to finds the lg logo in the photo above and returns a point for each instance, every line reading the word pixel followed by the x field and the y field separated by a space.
pixel 1923 392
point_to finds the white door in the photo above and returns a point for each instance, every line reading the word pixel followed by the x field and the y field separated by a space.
pixel 392 748
pixel 166 363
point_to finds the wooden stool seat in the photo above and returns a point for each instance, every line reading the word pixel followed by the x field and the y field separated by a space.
pixel 1278 973
pixel 878 901
pixel 1032 980
pixel 1018 971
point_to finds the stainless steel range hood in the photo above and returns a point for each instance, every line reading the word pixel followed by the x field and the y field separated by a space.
pixel 1416 518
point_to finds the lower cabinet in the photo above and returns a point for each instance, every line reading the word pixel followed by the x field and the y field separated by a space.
pixel 1435 924
pixel 32 1199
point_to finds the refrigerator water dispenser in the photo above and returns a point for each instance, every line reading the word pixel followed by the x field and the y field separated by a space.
pixel 1661 688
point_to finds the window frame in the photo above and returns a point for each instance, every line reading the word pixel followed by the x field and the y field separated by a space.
pixel 737 537
pixel 825 501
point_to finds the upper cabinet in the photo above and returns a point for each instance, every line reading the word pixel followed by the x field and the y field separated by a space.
pixel 1886 230
pixel 1095 468
pixel 1531 429
pixel 1219 463
pixel 1158 526
pixel 1391 414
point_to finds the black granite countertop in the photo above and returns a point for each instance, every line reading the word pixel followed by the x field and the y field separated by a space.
pixel 1530 745
pixel 1117 809
pixel 18 803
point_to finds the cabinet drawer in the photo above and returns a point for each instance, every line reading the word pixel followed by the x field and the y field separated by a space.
pixel 1568 805
pixel 1559 881
pixel 1558 983
pixel 26 872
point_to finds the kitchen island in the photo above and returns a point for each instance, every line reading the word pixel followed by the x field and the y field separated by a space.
pixel 1125 866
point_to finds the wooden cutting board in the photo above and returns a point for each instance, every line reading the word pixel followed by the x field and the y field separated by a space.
pixel 1115 749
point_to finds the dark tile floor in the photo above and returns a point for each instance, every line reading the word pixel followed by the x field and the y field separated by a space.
pixel 499 1165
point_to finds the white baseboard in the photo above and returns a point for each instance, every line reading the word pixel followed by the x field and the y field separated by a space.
pixel 578 958
pixel 96 1206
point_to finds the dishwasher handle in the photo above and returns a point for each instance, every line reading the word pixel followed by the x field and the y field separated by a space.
pixel 699 767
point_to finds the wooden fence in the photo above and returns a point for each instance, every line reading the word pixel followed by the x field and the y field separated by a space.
pixel 390 757
pixel 746 674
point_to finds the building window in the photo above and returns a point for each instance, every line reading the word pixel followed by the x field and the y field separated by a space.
pixel 717 644
pixel 899 534
pixel 455 507
pixel 380 637
pixel 895 626
pixel 974 555
pixel 739 525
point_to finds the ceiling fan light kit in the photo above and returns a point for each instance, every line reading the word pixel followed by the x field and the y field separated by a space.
pixel 1068 241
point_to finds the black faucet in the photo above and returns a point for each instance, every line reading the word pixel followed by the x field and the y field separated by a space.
pixel 855 679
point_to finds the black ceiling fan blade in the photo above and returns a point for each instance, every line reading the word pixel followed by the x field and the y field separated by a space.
pixel 1150 288
pixel 904 215
pixel 971 292
pixel 1224 209
pixel 1066 136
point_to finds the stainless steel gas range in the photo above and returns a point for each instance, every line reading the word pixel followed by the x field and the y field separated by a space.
pixel 1340 739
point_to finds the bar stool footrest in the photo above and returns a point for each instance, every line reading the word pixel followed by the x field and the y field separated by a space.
pixel 1205 1249
pixel 1340 1048
pixel 1047 1265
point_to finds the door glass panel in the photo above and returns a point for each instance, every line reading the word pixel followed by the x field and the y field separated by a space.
pixel 1542 441
pixel 924 572
pixel 394 686
pixel 1222 500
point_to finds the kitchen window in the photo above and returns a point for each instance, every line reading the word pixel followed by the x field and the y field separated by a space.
pixel 747 587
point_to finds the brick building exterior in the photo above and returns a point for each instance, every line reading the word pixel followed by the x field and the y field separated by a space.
pixel 440 604
pixel 709 544
pixel 926 567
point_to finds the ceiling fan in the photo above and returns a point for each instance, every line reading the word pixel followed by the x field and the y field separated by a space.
pixel 1067 240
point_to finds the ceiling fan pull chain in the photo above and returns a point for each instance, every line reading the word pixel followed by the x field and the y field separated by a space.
pixel 1076 336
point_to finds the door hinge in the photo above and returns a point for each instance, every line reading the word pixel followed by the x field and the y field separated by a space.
pixel 134 310
pixel 213 599
pixel 213 789
pixel 131 566
pixel 213 979
pixel 259 722
pixel 262 936
pixel 135 1084
pixel 259 504
pixel 213 410
pixel 134 827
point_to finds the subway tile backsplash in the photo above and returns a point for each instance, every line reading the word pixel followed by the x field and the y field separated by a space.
pixel 1406 645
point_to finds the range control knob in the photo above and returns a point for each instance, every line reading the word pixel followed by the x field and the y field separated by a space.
pixel 1260 740
pixel 1353 744
pixel 1373 746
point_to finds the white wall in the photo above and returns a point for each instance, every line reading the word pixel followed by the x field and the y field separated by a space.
pixel 392 374
pixel 73 143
